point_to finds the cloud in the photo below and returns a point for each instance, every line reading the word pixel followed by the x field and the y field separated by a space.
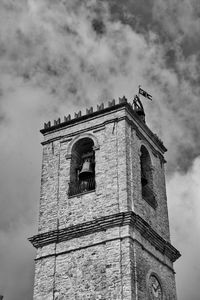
pixel 184 207
pixel 17 264
pixel 184 17
pixel 19 182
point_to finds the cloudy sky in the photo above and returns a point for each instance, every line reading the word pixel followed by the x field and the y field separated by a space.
pixel 59 56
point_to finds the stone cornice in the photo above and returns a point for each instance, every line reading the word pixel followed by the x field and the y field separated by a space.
pixel 124 104
pixel 48 127
pixel 103 223
pixel 101 126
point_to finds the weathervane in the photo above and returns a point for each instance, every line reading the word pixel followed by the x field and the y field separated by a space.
pixel 144 93
pixel 137 102
pixel 138 107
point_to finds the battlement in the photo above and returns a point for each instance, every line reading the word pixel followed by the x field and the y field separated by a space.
pixel 101 108
pixel 89 111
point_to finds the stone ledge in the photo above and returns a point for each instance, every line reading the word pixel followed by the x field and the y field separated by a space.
pixel 78 116
pixel 101 224
pixel 48 127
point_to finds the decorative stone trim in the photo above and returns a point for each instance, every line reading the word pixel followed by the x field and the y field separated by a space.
pixel 103 223
pixel 95 148
pixel 48 127
pixel 99 129
pixel 82 136
pixel 66 140
pixel 89 112
pixel 50 141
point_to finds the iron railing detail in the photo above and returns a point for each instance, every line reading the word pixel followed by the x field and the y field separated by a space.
pixel 79 187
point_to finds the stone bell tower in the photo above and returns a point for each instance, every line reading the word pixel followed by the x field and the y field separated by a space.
pixel 103 221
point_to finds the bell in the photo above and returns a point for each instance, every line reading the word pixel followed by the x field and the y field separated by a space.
pixel 86 170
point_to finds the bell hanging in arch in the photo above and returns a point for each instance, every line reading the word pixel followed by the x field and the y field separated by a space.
pixel 86 171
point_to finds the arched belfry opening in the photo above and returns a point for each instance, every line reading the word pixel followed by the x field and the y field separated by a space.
pixel 147 177
pixel 82 169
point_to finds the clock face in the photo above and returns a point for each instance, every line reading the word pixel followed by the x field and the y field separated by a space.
pixel 155 289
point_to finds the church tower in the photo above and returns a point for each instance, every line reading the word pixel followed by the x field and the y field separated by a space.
pixel 103 219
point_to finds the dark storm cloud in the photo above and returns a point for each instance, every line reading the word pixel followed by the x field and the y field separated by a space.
pixel 176 26
pixel 173 21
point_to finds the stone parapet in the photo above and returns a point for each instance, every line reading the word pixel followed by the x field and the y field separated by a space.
pixel 101 109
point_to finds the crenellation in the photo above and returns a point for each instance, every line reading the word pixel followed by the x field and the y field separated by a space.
pixel 89 110
pixel 68 118
pixel 111 103
pixel 103 239
pixel 100 107
pixel 77 115
pixel 123 100
pixel 57 122
pixel 47 125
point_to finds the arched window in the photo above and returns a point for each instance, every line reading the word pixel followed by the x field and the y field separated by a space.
pixel 154 287
pixel 147 177
pixel 82 169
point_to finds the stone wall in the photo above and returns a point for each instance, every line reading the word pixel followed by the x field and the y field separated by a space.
pixel 110 264
pixel 118 181
pixel 146 263
pixel 115 261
